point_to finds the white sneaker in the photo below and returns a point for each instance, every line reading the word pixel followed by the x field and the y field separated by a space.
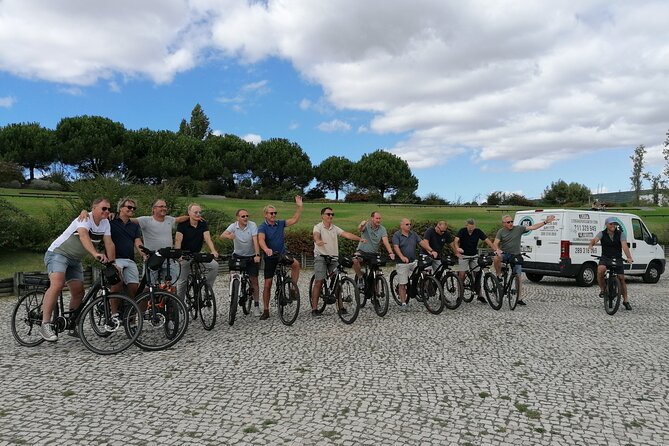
pixel 256 311
pixel 46 331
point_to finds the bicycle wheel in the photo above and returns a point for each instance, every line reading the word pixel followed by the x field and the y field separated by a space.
pixel 289 302
pixel 395 288
pixel 234 299
pixel 27 318
pixel 246 296
pixel 514 292
pixel 432 295
pixel 191 300
pixel 381 296
pixel 165 320
pixel 491 287
pixel 612 299
pixel 349 299
pixel 207 306
pixel 468 287
pixel 106 335
pixel 452 288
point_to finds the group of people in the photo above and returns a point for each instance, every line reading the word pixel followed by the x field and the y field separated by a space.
pixel 122 236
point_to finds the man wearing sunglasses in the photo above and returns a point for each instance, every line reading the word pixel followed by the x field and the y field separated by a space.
pixel 244 234
pixel 271 238
pixel 63 260
pixel 127 236
pixel 507 244
pixel 326 243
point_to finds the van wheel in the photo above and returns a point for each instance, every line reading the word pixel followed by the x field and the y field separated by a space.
pixel 652 274
pixel 533 277
pixel 587 275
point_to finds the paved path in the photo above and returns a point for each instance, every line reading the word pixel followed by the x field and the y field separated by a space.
pixel 558 371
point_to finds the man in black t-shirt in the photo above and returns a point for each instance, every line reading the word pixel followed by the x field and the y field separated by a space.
pixel 466 243
pixel 191 235
pixel 437 238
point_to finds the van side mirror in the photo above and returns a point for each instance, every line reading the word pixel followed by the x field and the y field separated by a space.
pixel 652 240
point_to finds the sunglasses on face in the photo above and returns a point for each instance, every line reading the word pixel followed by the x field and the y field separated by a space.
pixel 105 209
pixel 130 208
pixel 272 213
pixel 330 214
pixel 243 216
pixel 197 212
pixel 507 222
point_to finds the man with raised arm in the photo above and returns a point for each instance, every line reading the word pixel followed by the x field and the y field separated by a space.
pixel 244 234
pixel 272 239
pixel 325 236
pixel 63 260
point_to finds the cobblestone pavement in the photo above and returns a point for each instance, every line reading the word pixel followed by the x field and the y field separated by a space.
pixel 558 371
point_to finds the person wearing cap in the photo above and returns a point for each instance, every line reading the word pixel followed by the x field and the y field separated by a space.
pixel 466 244
pixel 614 243
pixel 507 244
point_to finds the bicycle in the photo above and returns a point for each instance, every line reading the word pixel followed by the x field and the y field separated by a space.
pixel 612 284
pixel 451 284
pixel 508 284
pixel 241 292
pixel 375 285
pixel 338 288
pixel 469 283
pixel 200 299
pixel 93 322
pixel 165 315
pixel 422 286
pixel 286 293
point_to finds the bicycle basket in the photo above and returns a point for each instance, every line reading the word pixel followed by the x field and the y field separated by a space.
pixel 237 263
pixel 202 257
pixel 286 259
pixel 111 274
pixel 484 261
pixel 170 253
pixel 375 260
pixel 155 261
pixel 345 261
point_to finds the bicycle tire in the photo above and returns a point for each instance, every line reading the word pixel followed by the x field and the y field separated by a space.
pixel 432 294
pixel 103 335
pixel 234 301
pixel 362 293
pixel 289 302
pixel 27 319
pixel 246 296
pixel 381 296
pixel 491 287
pixel 514 292
pixel 612 299
pixel 169 309
pixel 207 306
pixel 191 298
pixel 395 288
pixel 468 285
pixel 349 299
pixel 452 289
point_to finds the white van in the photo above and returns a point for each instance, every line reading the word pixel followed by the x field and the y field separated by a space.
pixel 561 247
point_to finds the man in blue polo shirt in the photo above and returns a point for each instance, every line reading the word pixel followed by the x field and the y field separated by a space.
pixel 405 242
pixel 271 238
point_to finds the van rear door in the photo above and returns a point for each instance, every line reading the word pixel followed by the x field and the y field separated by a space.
pixel 543 244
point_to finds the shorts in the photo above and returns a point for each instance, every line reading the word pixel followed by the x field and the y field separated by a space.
pixel 128 269
pixel 518 267
pixel 467 264
pixel 321 269
pixel 403 271
pixel 619 269
pixel 58 263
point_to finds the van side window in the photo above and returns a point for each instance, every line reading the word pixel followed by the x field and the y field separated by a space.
pixel 640 231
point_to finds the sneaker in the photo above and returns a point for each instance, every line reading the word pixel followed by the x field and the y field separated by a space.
pixel 343 311
pixel 627 305
pixel 521 303
pixel 602 294
pixel 265 315
pixel 256 311
pixel 482 299
pixel 46 331
pixel 315 313
pixel 404 307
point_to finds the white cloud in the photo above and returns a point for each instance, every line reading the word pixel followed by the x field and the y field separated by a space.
pixel 252 138
pixel 335 125
pixel 71 90
pixel 7 101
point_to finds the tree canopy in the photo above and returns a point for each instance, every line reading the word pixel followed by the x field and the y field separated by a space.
pixel 334 174
pixel 384 173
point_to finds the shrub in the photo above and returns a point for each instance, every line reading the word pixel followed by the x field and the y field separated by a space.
pixel 11 174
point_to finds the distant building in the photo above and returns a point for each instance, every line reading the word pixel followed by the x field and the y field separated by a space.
pixel 628 197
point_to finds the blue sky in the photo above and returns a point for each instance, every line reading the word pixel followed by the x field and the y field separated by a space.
pixel 477 97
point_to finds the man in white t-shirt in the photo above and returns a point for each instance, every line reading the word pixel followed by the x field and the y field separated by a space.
pixel 326 243
pixel 63 260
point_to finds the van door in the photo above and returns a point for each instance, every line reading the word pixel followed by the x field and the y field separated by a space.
pixel 640 243
pixel 543 244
